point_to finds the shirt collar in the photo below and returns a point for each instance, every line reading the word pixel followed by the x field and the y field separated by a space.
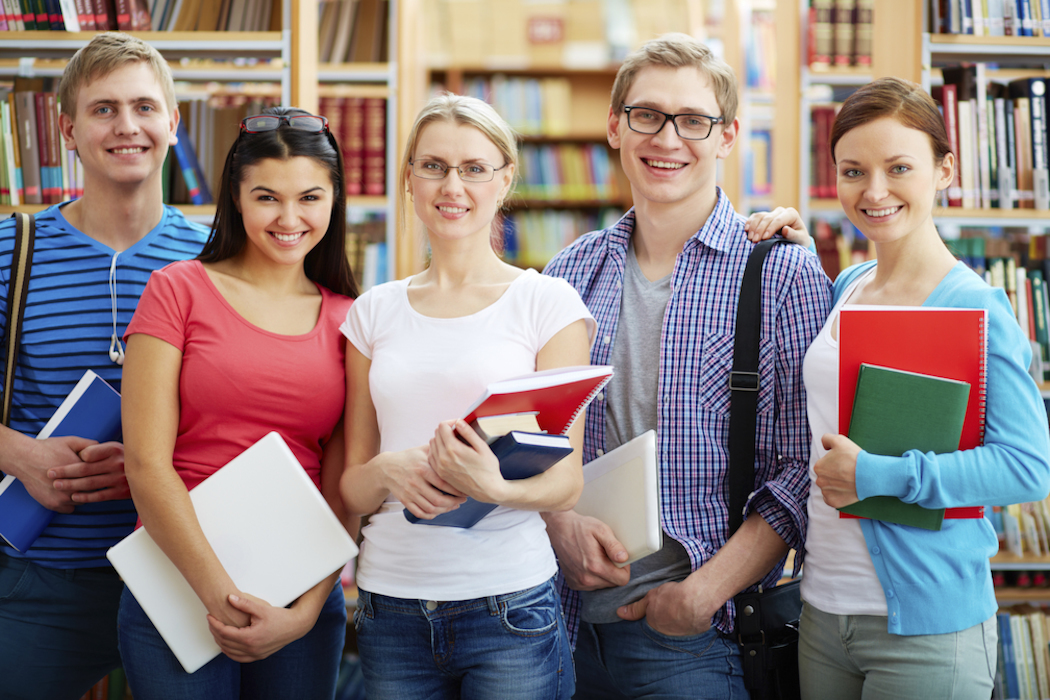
pixel 719 232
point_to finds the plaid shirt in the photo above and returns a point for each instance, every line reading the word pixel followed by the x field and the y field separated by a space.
pixel 695 359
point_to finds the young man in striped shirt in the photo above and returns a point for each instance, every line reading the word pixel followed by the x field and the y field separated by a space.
pixel 662 284
pixel 92 257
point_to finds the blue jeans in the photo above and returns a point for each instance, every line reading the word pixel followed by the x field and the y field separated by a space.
pixel 58 629
pixel 511 647
pixel 632 660
pixel 307 668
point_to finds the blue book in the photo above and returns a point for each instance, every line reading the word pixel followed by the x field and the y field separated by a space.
pixel 520 455
pixel 190 167
pixel 1009 666
pixel 92 410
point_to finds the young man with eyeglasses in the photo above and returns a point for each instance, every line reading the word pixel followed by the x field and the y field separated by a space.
pixel 662 284
pixel 92 257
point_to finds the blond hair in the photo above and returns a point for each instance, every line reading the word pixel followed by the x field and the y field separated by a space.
pixel 105 53
pixel 463 111
pixel 677 50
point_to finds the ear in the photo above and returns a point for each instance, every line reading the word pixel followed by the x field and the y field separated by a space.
pixel 508 178
pixel 65 126
pixel 727 138
pixel 946 172
pixel 173 125
pixel 612 127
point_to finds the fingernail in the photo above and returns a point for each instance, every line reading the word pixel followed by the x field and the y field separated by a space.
pixel 51 474
pixel 234 598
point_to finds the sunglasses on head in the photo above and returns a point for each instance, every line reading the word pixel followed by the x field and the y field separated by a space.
pixel 272 122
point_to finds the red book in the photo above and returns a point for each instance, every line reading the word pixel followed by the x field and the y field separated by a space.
pixel 374 173
pixel 557 396
pixel 949 343
pixel 86 15
pixel 123 8
pixel 1031 308
pixel 354 145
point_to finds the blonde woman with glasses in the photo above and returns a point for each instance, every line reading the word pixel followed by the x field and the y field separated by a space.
pixel 449 612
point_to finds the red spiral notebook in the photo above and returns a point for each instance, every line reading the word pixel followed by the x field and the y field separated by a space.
pixel 943 342
pixel 557 396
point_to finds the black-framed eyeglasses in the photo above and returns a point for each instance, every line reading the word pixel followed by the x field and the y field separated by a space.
pixel 468 172
pixel 270 122
pixel 691 127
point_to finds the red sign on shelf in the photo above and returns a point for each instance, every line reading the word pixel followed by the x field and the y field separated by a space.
pixel 546 30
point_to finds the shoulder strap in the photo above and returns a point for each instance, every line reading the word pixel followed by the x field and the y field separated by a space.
pixel 18 288
pixel 744 385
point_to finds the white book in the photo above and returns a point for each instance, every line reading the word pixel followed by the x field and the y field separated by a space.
pixel 269 526
pixel 967 153
pixel 622 490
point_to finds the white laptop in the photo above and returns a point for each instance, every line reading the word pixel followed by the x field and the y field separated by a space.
pixel 269 526
pixel 622 490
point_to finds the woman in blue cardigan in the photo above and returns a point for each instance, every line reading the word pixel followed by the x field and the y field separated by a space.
pixel 893 611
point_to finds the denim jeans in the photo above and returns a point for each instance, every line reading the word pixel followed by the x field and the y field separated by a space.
pixel 511 647
pixel 632 660
pixel 307 668
pixel 58 629
pixel 853 656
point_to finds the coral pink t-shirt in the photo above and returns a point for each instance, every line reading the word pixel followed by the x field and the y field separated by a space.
pixel 238 381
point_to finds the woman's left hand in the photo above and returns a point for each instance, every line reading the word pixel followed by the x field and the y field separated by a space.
pixel 783 220
pixel 470 467
pixel 270 630
pixel 837 470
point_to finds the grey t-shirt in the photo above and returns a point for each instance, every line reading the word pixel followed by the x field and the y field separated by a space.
pixel 630 410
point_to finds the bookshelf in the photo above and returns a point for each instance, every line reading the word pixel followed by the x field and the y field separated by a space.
pixel 455 43
pixel 282 65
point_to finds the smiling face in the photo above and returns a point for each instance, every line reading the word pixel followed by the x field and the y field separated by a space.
pixel 286 206
pixel 663 168
pixel 450 208
pixel 123 126
pixel 888 178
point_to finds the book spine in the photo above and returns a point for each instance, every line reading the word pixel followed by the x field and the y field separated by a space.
pixel 823 32
pixel 374 174
pixel 844 32
pixel 123 12
pixel 951 122
pixel 864 29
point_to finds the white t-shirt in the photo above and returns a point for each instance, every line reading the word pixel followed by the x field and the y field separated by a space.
pixel 426 370
pixel 839 577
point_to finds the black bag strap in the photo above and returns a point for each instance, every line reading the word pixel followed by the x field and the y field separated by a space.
pixel 17 289
pixel 744 385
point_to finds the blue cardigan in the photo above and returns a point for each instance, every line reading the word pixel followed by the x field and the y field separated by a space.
pixel 940 582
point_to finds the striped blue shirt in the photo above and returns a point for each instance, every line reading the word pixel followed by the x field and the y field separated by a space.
pixel 67 329
pixel 695 359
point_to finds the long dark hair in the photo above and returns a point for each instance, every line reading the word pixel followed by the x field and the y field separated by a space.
pixel 326 264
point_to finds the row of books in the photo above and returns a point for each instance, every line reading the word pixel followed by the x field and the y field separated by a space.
pixel 359 125
pixel 568 172
pixel 839 33
pixel 991 17
pixel 999 133
pixel 531 238
pixel 532 106
pixel 1023 669
pixel 584 34
pixel 760 60
pixel 1023 528
pixel 366 250
pixel 839 244
pixel 353 31
pixel 140 15
pixel 36 167
pixel 758 162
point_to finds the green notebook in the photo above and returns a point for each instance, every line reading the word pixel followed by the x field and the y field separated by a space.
pixel 895 411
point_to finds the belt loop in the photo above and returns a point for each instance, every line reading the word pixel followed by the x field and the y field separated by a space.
pixel 494 604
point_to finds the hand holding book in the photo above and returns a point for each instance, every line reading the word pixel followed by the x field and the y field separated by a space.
pixel 837 470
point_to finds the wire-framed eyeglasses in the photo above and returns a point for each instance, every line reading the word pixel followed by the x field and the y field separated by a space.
pixel 271 122
pixel 468 172
pixel 692 127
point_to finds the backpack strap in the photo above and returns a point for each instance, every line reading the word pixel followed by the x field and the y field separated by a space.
pixel 18 288
pixel 744 384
